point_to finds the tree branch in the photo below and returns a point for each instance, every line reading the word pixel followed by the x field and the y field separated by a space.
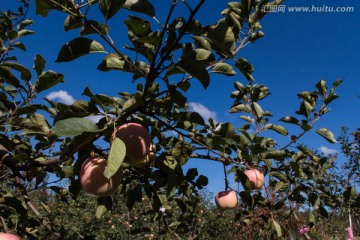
pixel 30 206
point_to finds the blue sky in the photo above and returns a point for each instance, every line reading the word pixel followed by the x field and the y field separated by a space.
pixel 298 50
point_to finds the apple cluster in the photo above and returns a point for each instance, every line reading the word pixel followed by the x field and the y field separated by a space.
pixel 228 199
pixel 139 153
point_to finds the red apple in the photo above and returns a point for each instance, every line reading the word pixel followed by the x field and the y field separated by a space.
pixel 8 236
pixel 92 177
pixel 137 141
pixel 256 178
pixel 226 199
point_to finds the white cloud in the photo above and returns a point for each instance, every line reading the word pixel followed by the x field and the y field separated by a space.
pixel 327 151
pixel 202 110
pixel 95 118
pixel 61 96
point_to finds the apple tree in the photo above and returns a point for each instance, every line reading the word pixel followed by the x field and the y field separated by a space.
pixel 164 60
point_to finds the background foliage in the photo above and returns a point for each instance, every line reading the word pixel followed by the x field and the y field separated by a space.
pixel 44 144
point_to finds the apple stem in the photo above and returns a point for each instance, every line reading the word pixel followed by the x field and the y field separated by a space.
pixel 226 180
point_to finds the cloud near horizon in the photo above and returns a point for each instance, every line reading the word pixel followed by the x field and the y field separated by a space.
pixel 327 151
pixel 205 112
pixel 61 96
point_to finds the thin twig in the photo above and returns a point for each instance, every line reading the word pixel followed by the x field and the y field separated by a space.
pixel 30 206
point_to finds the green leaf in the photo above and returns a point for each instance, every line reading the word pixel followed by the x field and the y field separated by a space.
pixel 47 80
pixel 248 119
pixel 305 108
pixel 311 218
pixel 171 185
pixel 110 7
pixel 290 119
pixel 116 157
pixel 330 98
pixel 24 24
pixel 133 195
pixel 279 176
pixel 222 38
pixel 276 228
pixel 246 198
pixel 93 27
pixel 140 6
pixel 314 200
pixel 240 108
pixel 322 210
pixel 224 68
pixel 202 181
pixel 25 73
pixel 72 22
pixel 114 62
pixel 196 69
pixel 103 205
pixel 277 154
pixel 258 110
pixel 40 64
pixel 282 186
pixel 321 86
pixel 327 134
pixel 8 77
pixel 19 45
pixel 204 55
pixel 202 43
pixel 78 47
pixel 37 125
pixel 227 130
pixel 245 68
pixel 243 178
pixel 12 34
pixel 349 194
pixel 191 174
pixel 44 6
pixel 277 128
pixel 74 126
pixel 255 36
pixel 95 99
pixel 23 33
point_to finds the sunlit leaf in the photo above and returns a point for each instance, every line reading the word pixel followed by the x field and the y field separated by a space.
pixel 255 36
pixel 276 228
pixel 224 68
pixel 290 119
pixel 23 33
pixel 103 205
pixel 116 157
pixel 24 24
pixel 74 126
pixel 327 134
pixel 277 128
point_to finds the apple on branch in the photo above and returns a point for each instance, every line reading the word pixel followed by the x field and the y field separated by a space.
pixel 92 177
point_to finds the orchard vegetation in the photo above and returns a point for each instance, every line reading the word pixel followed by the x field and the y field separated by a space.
pixel 46 192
